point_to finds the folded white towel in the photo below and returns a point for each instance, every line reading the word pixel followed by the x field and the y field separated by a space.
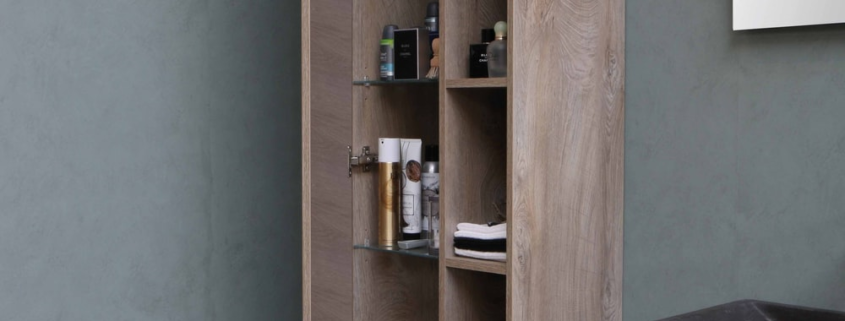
pixel 482 236
pixel 482 228
pixel 490 256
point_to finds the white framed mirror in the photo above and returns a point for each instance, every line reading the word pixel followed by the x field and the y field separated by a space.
pixel 761 14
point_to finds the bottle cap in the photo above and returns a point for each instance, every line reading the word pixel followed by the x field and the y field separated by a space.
pixel 501 30
pixel 388 31
pixel 488 35
pixel 432 153
pixel 433 9
pixel 389 150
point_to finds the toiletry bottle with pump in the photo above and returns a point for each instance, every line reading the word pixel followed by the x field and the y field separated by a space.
pixel 430 186
pixel 389 192
pixel 386 53
pixel 497 52
pixel 478 54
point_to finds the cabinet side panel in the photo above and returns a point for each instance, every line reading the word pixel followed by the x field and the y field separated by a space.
pixel 327 128
pixel 566 159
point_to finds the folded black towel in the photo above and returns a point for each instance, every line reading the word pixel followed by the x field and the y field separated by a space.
pixel 495 245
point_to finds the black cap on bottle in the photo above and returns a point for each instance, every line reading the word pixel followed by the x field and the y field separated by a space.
pixel 433 9
pixel 388 31
pixel 432 153
pixel 488 35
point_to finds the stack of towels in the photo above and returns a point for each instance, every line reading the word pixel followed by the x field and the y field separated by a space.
pixel 482 241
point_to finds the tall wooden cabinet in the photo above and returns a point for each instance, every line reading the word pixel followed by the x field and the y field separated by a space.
pixel 543 147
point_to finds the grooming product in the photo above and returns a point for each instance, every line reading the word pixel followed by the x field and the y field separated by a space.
pixel 411 189
pixel 434 72
pixel 389 192
pixel 497 52
pixel 430 186
pixel 412 244
pixel 432 20
pixel 478 55
pixel 386 53
pixel 434 224
pixel 412 56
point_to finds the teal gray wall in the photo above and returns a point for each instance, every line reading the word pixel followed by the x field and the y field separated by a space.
pixel 735 161
pixel 149 160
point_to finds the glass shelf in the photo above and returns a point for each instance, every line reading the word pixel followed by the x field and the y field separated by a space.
pixel 376 82
pixel 418 252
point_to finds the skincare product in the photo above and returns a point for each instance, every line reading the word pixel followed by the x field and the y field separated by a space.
pixel 412 56
pixel 478 55
pixel 386 53
pixel 497 52
pixel 430 186
pixel 411 189
pixel 389 192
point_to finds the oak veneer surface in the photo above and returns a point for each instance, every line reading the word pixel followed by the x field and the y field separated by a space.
pixel 473 163
pixel 461 24
pixel 566 160
pixel 387 287
pixel 394 287
pixel 471 264
pixel 477 83
pixel 473 296
pixel 327 191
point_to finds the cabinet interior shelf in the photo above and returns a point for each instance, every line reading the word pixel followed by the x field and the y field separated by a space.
pixel 417 252
pixel 477 83
pixel 462 263
pixel 376 82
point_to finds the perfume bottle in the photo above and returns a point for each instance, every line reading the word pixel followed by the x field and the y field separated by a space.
pixel 497 52
pixel 478 54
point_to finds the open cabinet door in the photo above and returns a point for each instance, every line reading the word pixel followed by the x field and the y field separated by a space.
pixel 326 187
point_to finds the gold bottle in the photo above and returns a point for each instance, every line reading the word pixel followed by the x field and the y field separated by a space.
pixel 389 192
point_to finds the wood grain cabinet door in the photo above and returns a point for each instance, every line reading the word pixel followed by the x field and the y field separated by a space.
pixel 326 187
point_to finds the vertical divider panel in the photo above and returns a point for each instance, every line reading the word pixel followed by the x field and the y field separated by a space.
pixel 566 159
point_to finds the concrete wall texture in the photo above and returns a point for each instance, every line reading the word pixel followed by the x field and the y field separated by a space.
pixel 735 161
pixel 149 160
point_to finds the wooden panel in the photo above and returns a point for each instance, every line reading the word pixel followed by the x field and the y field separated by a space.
pixel 327 191
pixel 463 263
pixel 461 25
pixel 395 111
pixel 566 159
pixel 371 17
pixel 477 83
pixel 472 186
pixel 473 161
pixel 473 296
pixel 388 287
pixel 393 287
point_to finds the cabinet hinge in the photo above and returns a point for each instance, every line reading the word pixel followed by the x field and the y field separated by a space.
pixel 365 159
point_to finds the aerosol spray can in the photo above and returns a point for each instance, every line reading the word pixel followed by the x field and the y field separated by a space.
pixel 389 192
pixel 386 53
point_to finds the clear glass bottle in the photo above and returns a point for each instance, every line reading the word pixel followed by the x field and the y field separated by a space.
pixel 497 52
